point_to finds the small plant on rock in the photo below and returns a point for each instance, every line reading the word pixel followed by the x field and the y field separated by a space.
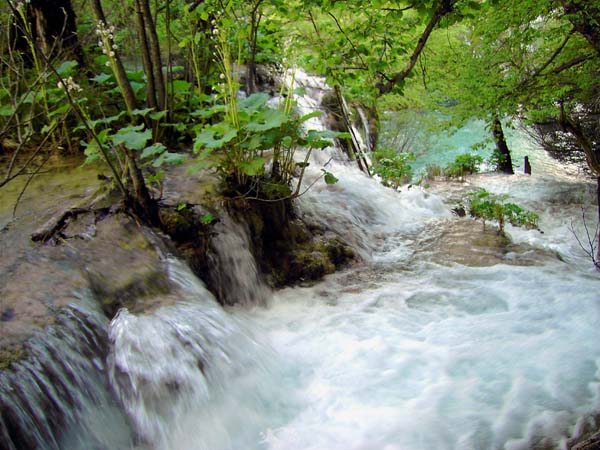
pixel 483 205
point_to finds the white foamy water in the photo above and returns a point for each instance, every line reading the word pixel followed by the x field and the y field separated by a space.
pixel 406 350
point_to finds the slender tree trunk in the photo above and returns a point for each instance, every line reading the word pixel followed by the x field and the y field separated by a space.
pixel 119 69
pixel 255 17
pixel 354 146
pixel 139 197
pixel 598 236
pixel 154 46
pixel 146 58
pixel 504 159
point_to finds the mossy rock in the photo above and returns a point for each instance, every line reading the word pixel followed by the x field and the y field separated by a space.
pixel 10 354
pixel 177 224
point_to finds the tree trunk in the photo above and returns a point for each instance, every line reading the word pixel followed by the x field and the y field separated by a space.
pixel 598 236
pixel 119 69
pixel 255 17
pixel 504 159
pixel 139 199
pixel 154 45
pixel 355 152
pixel 146 57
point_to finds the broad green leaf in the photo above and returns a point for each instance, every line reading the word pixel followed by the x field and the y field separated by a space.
pixel 169 158
pixel 137 75
pixel 153 150
pixel 141 112
pixel 174 158
pixel 158 115
pixel 254 102
pixel 267 120
pixel 254 167
pixel 132 138
pixel 215 136
pixel 6 110
pixel 209 112
pixel 107 120
pixel 181 87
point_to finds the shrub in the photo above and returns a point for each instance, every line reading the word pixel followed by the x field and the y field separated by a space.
pixel 432 171
pixel 392 167
pixel 484 206
pixel 463 165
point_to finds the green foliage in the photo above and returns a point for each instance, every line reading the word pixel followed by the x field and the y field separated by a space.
pixel 463 165
pixel 483 205
pixel 207 219
pixel 392 167
pixel 433 171
pixel 251 134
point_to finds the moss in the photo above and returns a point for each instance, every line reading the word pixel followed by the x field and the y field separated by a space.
pixel 10 354
pixel 176 223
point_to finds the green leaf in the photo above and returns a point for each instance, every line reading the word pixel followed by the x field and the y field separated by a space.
pixel 254 102
pixel 181 87
pixel 137 76
pixel 215 136
pixel 6 110
pixel 158 115
pixel 141 112
pixel 206 113
pixel 329 177
pixel 267 120
pixel 254 167
pixel 107 120
pixel 132 137
pixel 153 150
pixel 172 159
pixel 66 68
pixel 309 116
pixel 207 219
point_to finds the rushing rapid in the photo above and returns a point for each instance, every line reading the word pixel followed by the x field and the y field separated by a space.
pixel 443 336
pixel 439 339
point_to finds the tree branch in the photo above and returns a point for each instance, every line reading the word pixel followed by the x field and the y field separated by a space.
pixel 443 8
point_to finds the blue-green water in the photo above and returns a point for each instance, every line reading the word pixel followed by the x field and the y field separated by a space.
pixel 424 135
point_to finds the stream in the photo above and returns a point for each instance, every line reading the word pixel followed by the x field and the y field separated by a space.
pixel 445 336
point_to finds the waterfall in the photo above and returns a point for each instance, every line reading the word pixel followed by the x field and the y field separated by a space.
pixel 366 128
pixel 179 370
pixel 56 397
pixel 236 274
pixel 416 347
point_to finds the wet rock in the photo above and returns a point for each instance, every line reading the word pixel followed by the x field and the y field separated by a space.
pixel 127 267
pixel 7 315
pixel 10 354
pixel 592 443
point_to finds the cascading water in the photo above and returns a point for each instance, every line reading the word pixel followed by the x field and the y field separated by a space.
pixel 56 397
pixel 191 375
pixel 408 350
pixel 237 276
